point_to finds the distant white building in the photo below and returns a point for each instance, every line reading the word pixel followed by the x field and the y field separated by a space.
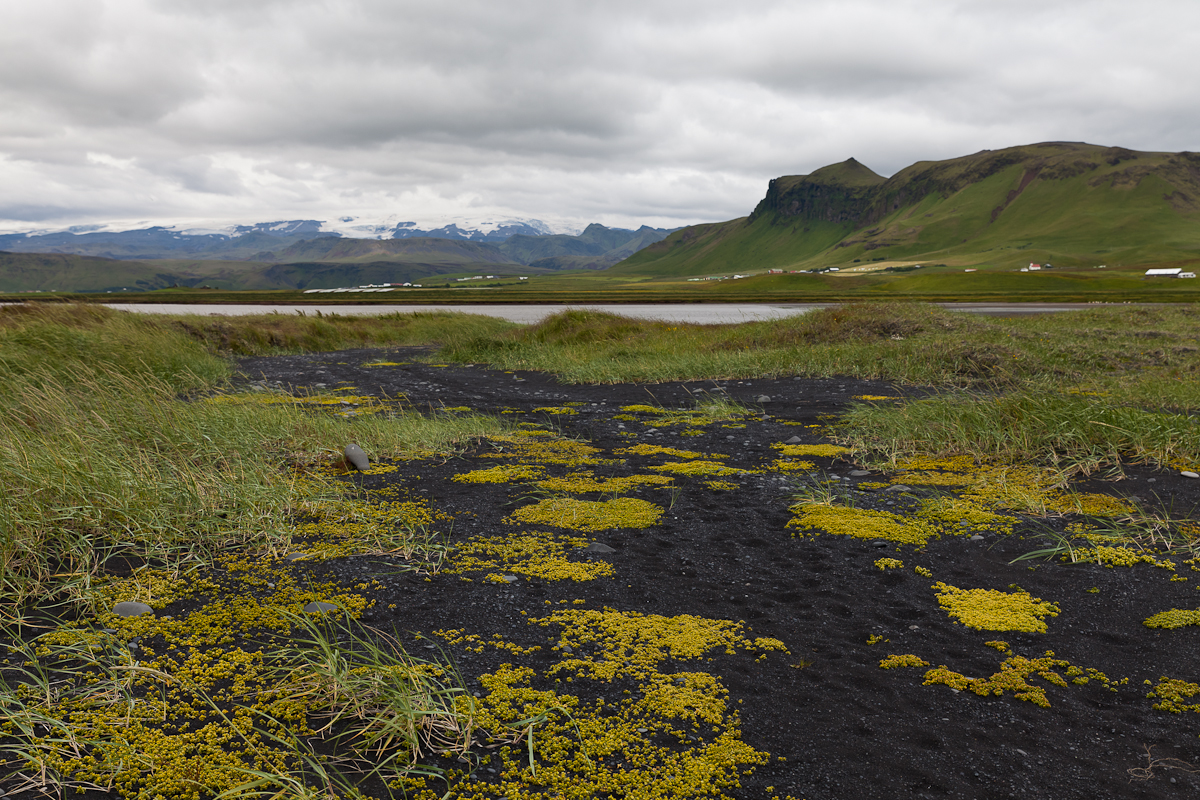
pixel 1187 274
pixel 1169 272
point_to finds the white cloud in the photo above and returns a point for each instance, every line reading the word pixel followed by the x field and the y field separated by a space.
pixel 659 111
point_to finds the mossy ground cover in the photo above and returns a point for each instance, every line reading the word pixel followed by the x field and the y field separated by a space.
pixel 717 647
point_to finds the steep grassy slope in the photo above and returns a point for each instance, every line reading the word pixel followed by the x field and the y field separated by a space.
pixel 1068 203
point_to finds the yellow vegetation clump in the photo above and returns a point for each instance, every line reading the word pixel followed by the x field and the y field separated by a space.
pixel 1171 694
pixel 791 465
pixel 885 564
pixel 861 523
pixel 586 482
pixel 1119 557
pixel 536 554
pixel 556 410
pixel 1175 618
pixel 501 473
pixel 1014 677
pixel 589 515
pixel 633 644
pixel 695 468
pixel 539 448
pixel 654 450
pixel 991 610
pixel 824 450
pixel 907 660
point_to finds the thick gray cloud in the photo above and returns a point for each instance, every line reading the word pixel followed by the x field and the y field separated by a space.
pixel 657 111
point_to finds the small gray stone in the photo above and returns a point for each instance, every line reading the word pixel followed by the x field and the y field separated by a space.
pixel 1187 473
pixel 879 543
pixel 764 398
pixel 510 578
pixel 859 473
pixel 131 609
pixel 899 487
pixel 596 547
pixel 295 556
pixel 355 455
pixel 794 440
pixel 319 607
pixel 977 538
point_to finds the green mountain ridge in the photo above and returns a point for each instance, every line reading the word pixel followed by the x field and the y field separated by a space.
pixel 1069 203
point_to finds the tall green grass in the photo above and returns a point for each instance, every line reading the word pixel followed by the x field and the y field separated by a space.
pixel 270 334
pixel 103 457
pixel 1093 386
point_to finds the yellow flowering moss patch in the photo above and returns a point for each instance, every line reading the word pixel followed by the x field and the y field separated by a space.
pixel 824 450
pixel 655 449
pixel 628 643
pixel 991 610
pixel 1014 676
pixel 885 564
pixel 1120 557
pixel 502 473
pixel 349 527
pixel 698 468
pixel 539 448
pixel 923 572
pixel 951 512
pixel 644 409
pixel 721 486
pixel 933 479
pixel 906 660
pixel 675 737
pixel 1171 694
pixel 786 465
pixel 556 410
pixel 1001 646
pixel 585 482
pixel 875 397
pixel 589 515
pixel 536 554
pixel 1173 619
pixel 861 523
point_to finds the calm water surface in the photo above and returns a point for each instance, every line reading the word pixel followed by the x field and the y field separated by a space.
pixel 701 313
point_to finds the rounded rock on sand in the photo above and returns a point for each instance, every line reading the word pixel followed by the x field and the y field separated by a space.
pixel 131 609
pixel 355 456
pixel 319 607
pixel 1187 473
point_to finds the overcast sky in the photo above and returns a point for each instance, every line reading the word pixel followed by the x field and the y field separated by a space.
pixel 664 112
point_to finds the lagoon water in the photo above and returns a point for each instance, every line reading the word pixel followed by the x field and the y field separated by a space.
pixel 699 313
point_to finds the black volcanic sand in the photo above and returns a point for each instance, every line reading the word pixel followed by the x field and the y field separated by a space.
pixel 846 727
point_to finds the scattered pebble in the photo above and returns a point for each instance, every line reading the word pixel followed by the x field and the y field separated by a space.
pixel 899 487
pixel 1187 473
pixel 977 538
pixel 510 578
pixel 597 547
pixel 794 440
pixel 295 556
pixel 764 398
pixel 859 473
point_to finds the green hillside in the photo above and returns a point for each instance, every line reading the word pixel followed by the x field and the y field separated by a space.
pixel 1070 204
